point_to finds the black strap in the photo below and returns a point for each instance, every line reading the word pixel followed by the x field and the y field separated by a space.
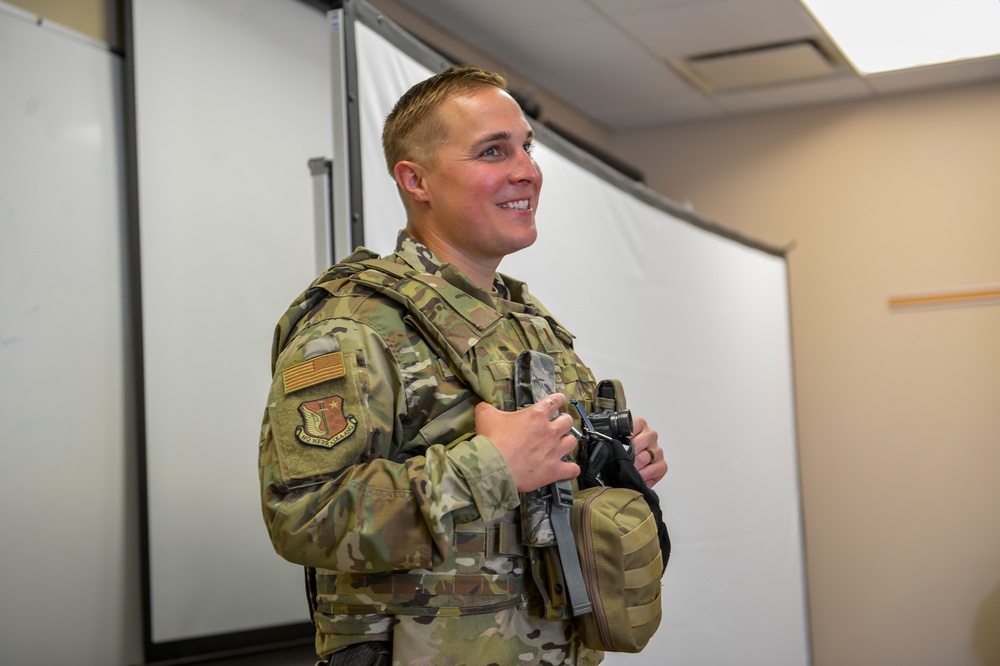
pixel 619 471
pixel 311 592
pixel 370 653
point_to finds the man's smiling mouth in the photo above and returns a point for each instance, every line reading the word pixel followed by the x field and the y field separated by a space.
pixel 517 205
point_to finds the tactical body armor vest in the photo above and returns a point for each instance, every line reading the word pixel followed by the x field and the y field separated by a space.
pixel 488 568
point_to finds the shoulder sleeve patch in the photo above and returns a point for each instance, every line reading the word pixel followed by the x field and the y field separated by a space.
pixel 325 423
pixel 312 372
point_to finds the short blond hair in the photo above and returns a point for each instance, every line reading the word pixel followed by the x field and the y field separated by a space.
pixel 413 125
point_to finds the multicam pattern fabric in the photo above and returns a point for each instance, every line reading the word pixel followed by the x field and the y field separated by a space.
pixel 372 473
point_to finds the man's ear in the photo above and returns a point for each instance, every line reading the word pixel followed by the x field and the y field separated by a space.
pixel 410 179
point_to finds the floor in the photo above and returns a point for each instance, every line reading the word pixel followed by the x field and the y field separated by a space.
pixel 303 655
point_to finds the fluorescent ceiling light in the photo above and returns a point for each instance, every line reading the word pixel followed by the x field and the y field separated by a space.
pixel 886 35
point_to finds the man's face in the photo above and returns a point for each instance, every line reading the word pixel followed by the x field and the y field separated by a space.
pixel 482 184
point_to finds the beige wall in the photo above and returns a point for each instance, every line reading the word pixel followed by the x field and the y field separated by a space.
pixel 100 19
pixel 898 412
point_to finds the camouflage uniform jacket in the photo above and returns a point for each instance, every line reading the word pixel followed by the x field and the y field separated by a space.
pixel 372 474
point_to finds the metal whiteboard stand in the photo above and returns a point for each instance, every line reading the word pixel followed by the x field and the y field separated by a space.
pixel 321 169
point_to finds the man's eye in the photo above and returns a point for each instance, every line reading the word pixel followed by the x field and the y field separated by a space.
pixel 529 147
pixel 492 151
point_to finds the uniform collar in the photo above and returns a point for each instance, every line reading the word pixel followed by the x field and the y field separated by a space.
pixel 419 257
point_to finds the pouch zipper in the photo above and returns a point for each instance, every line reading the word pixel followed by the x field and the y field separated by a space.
pixel 590 572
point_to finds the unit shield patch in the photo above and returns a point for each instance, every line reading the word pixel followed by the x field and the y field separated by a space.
pixel 324 422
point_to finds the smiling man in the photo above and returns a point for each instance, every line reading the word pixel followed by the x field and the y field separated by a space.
pixel 473 200
pixel 391 458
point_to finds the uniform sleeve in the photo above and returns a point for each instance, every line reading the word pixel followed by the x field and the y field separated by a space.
pixel 336 492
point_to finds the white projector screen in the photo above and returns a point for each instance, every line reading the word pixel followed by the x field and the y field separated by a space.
pixel 693 321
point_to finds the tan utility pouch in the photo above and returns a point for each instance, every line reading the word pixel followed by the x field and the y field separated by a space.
pixel 616 537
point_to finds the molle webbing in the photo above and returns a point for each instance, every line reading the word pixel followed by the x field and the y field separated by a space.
pixel 484 573
pixel 451 321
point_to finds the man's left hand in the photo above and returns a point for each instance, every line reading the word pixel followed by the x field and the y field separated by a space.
pixel 649 458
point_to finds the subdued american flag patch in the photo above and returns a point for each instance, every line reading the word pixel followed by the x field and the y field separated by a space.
pixel 313 371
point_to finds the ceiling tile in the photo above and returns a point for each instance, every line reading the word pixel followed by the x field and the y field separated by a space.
pixel 618 7
pixel 722 25
pixel 474 19
pixel 641 115
pixel 759 67
pixel 586 60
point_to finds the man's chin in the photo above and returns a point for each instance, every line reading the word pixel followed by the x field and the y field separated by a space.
pixel 523 243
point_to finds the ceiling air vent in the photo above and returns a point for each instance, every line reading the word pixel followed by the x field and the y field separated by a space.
pixel 759 66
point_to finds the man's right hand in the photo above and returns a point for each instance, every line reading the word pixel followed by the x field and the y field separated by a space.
pixel 532 441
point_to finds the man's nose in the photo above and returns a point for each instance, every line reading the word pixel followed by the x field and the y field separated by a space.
pixel 526 169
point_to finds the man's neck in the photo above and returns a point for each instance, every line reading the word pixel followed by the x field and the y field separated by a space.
pixel 480 272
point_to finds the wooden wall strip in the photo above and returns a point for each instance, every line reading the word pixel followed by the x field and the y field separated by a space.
pixel 983 295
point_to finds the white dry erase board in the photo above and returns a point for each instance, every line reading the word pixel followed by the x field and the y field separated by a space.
pixel 232 101
pixel 693 319
pixel 66 412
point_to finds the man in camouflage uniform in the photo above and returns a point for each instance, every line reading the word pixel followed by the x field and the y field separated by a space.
pixel 392 457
